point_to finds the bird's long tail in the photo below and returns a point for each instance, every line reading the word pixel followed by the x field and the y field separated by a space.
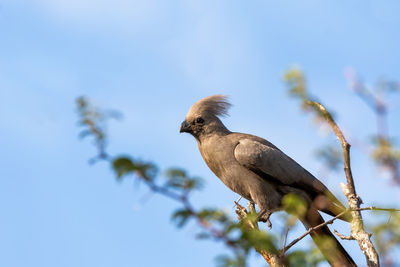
pixel 330 247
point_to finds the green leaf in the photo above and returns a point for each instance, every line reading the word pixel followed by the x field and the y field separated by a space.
pixel 387 233
pixel 295 205
pixel 227 261
pixel 295 80
pixel 146 170
pixel 260 240
pixel 178 179
pixel 300 258
pixel 181 217
pixel 213 215
pixel 125 165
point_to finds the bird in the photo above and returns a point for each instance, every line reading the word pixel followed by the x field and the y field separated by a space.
pixel 260 172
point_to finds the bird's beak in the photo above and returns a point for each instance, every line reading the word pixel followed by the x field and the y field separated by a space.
pixel 185 127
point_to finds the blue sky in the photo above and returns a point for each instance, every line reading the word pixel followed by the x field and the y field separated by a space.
pixel 151 60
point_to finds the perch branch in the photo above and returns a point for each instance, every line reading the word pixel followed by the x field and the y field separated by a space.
pixel 272 259
pixel 286 248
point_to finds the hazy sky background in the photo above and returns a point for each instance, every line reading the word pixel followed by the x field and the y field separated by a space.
pixel 151 60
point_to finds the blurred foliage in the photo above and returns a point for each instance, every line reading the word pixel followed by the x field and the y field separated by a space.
pixel 384 153
pixel 387 237
pixel 227 261
pixel 295 206
pixel 296 83
pixel 124 165
pixel 94 121
pixel 301 258
pixel 297 88
pixel 384 85
pixel 260 240
pixel 327 242
pixel 384 150
pixel 331 156
pixel 178 179
pixel 181 217
pixel 216 215
pixel 177 185
pixel 238 237
pixel 215 224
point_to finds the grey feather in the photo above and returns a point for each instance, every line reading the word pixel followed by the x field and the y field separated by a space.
pixel 275 163
pixel 215 105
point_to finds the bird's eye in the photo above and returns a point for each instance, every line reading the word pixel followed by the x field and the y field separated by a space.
pixel 199 120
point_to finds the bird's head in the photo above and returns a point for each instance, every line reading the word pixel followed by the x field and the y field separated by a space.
pixel 203 117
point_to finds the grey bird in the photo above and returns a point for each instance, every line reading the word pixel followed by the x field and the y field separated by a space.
pixel 261 173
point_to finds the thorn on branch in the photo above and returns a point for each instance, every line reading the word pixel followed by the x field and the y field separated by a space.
pixel 344 237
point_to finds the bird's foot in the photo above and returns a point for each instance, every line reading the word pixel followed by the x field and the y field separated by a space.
pixel 263 216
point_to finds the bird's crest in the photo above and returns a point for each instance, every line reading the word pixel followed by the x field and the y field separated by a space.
pixel 216 105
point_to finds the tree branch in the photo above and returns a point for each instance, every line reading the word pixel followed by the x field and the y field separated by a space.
pixel 286 248
pixel 291 244
pixel 379 209
pixel 272 259
pixel 357 225
pixel 377 102
pixel 343 236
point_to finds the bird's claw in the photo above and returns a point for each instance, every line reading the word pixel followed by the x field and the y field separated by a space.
pixel 263 216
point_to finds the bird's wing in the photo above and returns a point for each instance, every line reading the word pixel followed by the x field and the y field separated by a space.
pixel 271 163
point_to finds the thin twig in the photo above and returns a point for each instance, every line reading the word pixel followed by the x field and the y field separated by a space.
pixel 379 209
pixel 182 198
pixel 237 201
pixel 291 244
pixel 286 234
pixel 343 236
pixel 331 221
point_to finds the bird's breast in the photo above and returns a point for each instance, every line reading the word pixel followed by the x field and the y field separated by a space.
pixel 217 152
pixel 219 157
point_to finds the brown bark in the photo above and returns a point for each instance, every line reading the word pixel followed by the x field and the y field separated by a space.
pixel 357 225
pixel 272 259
